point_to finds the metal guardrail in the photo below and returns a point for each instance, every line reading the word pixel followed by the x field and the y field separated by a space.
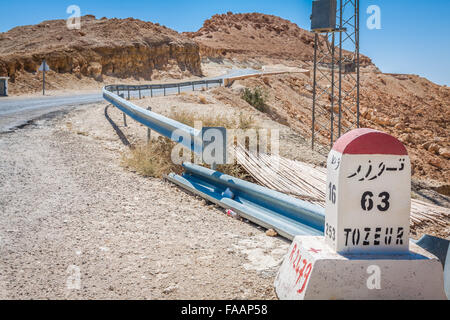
pixel 174 130
pixel 273 210
pixel 167 127
pixel 151 87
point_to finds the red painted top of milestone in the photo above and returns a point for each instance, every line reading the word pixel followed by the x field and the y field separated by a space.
pixel 369 141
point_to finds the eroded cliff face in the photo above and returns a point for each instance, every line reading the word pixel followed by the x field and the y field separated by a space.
pixel 258 36
pixel 112 47
pixel 210 52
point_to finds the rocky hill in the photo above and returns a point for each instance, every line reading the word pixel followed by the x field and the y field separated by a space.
pixel 102 47
pixel 257 36
pixel 410 107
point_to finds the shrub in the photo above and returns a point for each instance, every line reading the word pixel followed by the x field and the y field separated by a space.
pixel 256 98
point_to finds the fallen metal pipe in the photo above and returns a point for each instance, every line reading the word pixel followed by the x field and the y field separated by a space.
pixel 296 209
pixel 270 209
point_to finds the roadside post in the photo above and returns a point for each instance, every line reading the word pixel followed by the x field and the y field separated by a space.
pixel 149 131
pixel 44 67
pixel 366 252
pixel 4 86
pixel 122 95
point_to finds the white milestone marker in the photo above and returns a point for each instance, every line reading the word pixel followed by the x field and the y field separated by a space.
pixel 365 252
pixel 368 200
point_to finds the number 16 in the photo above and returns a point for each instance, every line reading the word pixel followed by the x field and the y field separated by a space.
pixel 332 193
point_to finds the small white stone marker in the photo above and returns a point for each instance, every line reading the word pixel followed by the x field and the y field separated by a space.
pixel 368 200
pixel 366 252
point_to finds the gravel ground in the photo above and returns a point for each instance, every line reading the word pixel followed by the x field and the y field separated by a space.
pixel 69 211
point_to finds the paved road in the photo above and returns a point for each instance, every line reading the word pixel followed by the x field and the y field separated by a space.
pixel 16 112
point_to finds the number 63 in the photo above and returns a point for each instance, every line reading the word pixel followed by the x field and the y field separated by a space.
pixel 367 203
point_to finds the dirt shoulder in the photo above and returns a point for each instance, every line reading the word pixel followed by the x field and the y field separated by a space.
pixel 66 201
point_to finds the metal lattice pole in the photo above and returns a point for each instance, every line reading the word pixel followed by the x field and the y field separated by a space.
pixel 316 41
pixel 340 69
pixel 333 48
pixel 343 90
pixel 357 62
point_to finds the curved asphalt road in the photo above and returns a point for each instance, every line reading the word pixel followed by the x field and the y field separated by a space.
pixel 16 112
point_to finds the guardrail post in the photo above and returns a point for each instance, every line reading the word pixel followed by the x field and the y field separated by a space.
pixel 164 91
pixel 140 97
pixel 151 92
pixel 206 85
pixel 178 88
pixel 124 115
pixel 128 93
pixel 149 131
pixel 193 87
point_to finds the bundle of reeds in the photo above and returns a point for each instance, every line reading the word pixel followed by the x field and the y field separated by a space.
pixel 308 182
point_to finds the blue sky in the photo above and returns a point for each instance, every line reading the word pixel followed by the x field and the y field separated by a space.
pixel 413 37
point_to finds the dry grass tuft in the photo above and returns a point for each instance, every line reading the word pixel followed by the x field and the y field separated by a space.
pixel 155 159
pixel 152 160
pixel 202 99
pixel 237 171
pixel 243 122
pixel 246 122
pixel 184 117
